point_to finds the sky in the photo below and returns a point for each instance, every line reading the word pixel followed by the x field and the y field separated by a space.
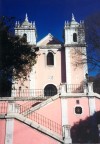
pixel 49 15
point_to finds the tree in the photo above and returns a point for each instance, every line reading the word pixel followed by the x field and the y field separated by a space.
pixel 96 82
pixel 16 56
pixel 92 35
pixel 86 131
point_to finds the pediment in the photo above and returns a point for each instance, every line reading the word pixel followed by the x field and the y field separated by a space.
pixel 49 40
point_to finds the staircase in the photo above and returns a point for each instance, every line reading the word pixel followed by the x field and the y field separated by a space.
pixel 26 113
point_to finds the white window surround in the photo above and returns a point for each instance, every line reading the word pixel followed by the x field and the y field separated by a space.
pixel 50 66
pixel 78 105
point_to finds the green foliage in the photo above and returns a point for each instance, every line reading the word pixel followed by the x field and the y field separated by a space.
pixel 16 56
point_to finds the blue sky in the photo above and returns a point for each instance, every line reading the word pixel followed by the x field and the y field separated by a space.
pixel 49 15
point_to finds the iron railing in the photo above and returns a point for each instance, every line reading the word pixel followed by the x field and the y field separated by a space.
pixel 40 119
pixel 26 106
pixel 36 117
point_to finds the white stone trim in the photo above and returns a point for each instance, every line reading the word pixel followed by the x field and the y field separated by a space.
pixel 68 64
pixel 32 78
pixel 9 131
pixel 43 39
pixel 92 106
pixel 36 126
pixel 78 105
pixel 84 56
pixel 64 108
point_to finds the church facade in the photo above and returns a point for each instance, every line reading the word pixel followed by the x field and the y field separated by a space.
pixel 57 95
pixel 56 60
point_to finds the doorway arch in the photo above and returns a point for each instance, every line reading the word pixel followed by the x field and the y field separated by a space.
pixel 50 90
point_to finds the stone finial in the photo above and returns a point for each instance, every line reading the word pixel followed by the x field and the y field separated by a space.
pixel 16 24
pixel 26 17
pixel 33 23
pixel 73 18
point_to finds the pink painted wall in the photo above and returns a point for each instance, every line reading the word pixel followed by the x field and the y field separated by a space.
pixel 45 74
pixel 52 111
pixel 48 74
pixel 97 104
pixel 2 131
pixel 23 134
pixel 72 116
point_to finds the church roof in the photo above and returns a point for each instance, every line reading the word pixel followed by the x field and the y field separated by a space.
pixel 49 40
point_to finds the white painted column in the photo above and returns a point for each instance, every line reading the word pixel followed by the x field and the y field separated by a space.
pixel 68 65
pixel 64 108
pixel 92 106
pixel 9 131
pixel 90 87
pixel 63 89
pixel 32 82
pixel 67 135
pixel 84 57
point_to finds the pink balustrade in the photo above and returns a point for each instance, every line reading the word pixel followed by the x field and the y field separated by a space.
pixel 3 107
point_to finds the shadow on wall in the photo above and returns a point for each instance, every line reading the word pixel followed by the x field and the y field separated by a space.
pixel 86 131
pixel 5 86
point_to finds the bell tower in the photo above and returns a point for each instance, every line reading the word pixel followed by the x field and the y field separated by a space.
pixel 26 29
pixel 75 45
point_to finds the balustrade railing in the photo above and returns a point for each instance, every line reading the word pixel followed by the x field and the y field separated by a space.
pixel 36 117
pixel 75 88
pixel 27 93
pixel 40 119
pixel 3 107
pixel 26 106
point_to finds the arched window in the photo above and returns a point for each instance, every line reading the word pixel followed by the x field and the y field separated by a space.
pixel 25 36
pixel 74 37
pixel 50 90
pixel 50 58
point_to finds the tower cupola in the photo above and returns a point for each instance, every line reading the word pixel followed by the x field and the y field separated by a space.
pixel 26 28
pixel 74 32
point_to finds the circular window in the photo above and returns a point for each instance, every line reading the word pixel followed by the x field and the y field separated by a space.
pixel 78 110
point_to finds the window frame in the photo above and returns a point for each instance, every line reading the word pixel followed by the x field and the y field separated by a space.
pixel 74 37
pixel 50 59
